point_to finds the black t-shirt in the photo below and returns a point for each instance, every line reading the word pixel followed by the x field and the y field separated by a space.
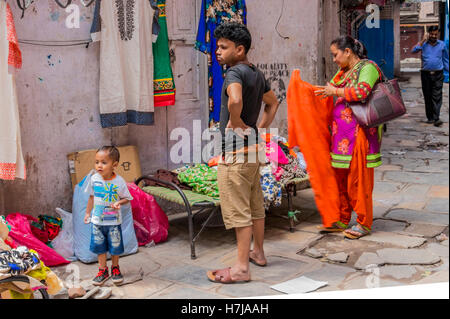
pixel 254 86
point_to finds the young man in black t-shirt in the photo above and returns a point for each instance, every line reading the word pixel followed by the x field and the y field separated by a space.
pixel 241 197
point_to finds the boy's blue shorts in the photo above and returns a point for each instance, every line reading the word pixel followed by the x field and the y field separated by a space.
pixel 106 239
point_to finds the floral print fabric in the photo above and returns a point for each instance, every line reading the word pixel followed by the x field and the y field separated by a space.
pixel 358 85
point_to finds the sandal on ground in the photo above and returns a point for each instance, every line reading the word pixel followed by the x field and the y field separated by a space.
pixel 253 261
pixel 357 232
pixel 337 227
pixel 223 276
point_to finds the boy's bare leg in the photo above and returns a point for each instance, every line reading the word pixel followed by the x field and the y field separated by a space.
pixel 257 253
pixel 115 261
pixel 102 261
pixel 240 271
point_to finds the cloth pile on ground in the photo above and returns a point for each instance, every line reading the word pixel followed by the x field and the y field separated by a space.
pixel 22 234
pixel 46 228
pixel 22 262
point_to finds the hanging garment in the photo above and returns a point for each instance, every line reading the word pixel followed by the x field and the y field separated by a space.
pixel 213 13
pixel 309 117
pixel 12 164
pixel 164 84
pixel 125 31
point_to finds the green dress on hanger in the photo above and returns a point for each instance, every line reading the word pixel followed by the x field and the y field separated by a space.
pixel 164 85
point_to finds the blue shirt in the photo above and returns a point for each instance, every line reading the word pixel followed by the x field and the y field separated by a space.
pixel 434 58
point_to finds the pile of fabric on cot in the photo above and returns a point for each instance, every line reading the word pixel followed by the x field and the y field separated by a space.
pixel 18 260
pixel 283 164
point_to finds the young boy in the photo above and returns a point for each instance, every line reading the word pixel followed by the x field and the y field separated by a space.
pixel 108 192
pixel 244 90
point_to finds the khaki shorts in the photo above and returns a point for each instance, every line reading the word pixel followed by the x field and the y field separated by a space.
pixel 241 196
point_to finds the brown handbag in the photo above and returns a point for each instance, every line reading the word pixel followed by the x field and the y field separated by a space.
pixel 384 104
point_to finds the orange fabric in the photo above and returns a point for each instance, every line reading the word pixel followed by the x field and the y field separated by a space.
pixel 14 56
pixel 337 191
pixel 214 161
pixel 308 127
pixel 361 182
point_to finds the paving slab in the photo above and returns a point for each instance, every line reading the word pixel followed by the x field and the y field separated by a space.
pixel 141 290
pixel 407 256
pixel 438 205
pixel 395 239
pixel 438 249
pixel 333 274
pixel 387 225
pixel 338 257
pixel 251 289
pixel 441 276
pixel 439 191
pixel 187 274
pixel 367 260
pixel 279 269
pixel 417 178
pixel 425 230
pixel 314 253
pixel 182 292
pixel 398 272
pixel 379 210
pixel 411 216
pixel 366 281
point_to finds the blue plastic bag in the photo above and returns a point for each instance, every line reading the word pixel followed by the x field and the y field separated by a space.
pixel 82 231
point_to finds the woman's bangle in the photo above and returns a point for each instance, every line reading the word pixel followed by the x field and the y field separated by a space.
pixel 336 92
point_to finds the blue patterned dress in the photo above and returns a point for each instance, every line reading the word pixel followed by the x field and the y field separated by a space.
pixel 213 13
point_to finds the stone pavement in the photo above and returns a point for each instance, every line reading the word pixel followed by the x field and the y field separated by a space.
pixel 409 243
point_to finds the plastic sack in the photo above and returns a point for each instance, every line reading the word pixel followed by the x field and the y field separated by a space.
pixel 82 231
pixel 21 233
pixel 150 222
pixel 63 243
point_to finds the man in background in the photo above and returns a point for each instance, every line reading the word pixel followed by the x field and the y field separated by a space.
pixel 434 61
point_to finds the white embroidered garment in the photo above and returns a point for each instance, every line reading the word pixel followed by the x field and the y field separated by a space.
pixel 12 164
pixel 124 29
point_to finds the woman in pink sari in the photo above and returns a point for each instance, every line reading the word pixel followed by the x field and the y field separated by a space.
pixel 355 151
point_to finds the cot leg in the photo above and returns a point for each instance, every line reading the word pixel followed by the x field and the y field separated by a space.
pixel 191 231
pixel 291 218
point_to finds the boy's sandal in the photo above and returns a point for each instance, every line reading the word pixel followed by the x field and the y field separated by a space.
pixel 357 232
pixel 337 227
pixel 222 276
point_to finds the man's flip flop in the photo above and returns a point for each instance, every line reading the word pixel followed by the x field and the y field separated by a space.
pixel 250 259
pixel 223 276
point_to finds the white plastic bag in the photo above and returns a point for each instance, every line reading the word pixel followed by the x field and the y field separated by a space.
pixel 63 243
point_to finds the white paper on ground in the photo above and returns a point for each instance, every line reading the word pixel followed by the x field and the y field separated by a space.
pixel 299 285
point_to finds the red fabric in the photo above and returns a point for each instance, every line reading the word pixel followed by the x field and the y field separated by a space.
pixel 23 236
pixel 309 117
pixel 150 222
pixel 165 100
pixel 14 56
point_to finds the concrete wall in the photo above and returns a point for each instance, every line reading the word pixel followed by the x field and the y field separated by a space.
pixel 58 89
